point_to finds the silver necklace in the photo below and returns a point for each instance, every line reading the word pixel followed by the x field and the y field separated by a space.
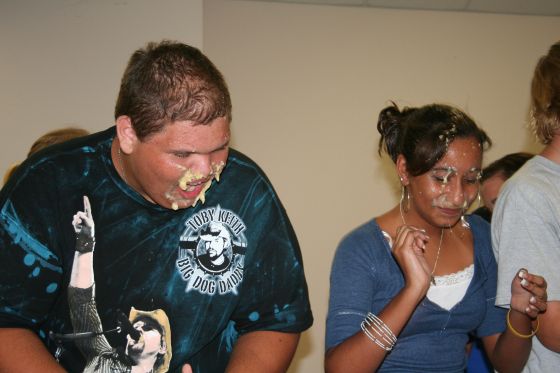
pixel 432 278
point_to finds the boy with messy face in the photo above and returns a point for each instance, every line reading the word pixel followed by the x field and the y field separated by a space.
pixel 170 149
pixel 174 167
pixel 159 181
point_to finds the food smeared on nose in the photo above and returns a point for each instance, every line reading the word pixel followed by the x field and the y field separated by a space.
pixel 447 173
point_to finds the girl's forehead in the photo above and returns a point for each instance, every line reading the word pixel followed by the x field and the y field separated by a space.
pixel 461 154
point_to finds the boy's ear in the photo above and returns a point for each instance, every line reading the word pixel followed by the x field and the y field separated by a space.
pixel 126 134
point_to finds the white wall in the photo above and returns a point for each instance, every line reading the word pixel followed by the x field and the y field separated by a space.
pixel 61 60
pixel 308 83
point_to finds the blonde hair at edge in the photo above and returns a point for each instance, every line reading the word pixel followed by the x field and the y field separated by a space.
pixel 545 111
pixel 50 138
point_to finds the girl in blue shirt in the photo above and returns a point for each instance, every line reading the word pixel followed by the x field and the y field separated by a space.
pixel 409 286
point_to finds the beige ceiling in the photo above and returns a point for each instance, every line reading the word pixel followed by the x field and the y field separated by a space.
pixel 525 7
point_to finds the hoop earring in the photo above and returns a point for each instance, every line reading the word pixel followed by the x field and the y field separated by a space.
pixel 464 221
pixel 405 199
pixel 478 200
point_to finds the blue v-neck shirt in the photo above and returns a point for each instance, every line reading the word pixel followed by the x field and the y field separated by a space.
pixel 365 277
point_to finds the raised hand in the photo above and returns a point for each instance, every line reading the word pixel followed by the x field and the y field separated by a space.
pixel 528 293
pixel 84 228
pixel 408 249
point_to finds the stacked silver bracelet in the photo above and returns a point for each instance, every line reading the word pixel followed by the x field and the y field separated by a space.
pixel 383 337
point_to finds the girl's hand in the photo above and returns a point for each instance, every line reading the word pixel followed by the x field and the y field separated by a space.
pixel 408 249
pixel 528 293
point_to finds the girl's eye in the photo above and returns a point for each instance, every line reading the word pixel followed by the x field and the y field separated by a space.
pixel 442 177
pixel 473 178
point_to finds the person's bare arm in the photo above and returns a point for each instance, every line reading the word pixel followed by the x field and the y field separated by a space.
pixel 23 352
pixel 510 350
pixel 360 354
pixel 263 351
pixel 549 328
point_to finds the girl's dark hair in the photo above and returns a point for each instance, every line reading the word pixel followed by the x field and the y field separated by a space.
pixel 423 134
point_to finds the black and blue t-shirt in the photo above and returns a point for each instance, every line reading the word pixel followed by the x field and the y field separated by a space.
pixel 148 257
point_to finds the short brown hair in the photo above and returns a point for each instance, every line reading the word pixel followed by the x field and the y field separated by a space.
pixel 169 81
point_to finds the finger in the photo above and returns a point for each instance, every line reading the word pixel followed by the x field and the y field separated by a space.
pixel 418 249
pixel 535 289
pixel 418 229
pixel 401 232
pixel 537 304
pixel 76 222
pixel 536 279
pixel 532 312
pixel 407 241
pixel 401 236
pixel 420 233
pixel 406 233
pixel 421 239
pixel 87 206
pixel 539 293
pixel 186 369
pixel 525 274
pixel 78 217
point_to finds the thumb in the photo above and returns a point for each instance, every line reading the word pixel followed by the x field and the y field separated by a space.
pixel 186 369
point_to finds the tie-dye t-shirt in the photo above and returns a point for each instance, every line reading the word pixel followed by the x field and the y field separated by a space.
pixel 147 257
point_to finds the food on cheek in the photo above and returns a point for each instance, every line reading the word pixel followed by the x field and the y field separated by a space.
pixel 216 171
pixel 202 196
